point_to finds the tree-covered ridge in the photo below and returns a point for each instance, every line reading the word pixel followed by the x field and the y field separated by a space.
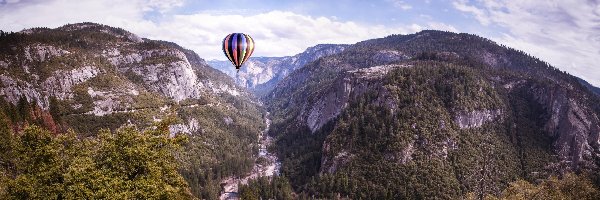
pixel 372 148
pixel 457 114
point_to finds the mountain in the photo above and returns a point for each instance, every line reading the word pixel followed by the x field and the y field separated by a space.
pixel 261 74
pixel 427 115
pixel 430 115
pixel 88 77
pixel 589 86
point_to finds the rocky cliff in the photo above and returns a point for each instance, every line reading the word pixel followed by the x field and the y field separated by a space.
pixel 113 68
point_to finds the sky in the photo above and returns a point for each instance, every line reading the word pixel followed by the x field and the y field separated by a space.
pixel 565 33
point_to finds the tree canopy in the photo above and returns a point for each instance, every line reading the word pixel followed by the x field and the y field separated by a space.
pixel 125 164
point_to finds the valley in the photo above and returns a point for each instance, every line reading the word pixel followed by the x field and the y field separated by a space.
pixel 267 165
pixel 433 114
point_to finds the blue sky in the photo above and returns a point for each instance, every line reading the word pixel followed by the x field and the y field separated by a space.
pixel 565 33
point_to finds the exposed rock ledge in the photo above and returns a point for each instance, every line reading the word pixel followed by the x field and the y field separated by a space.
pixel 355 83
pixel 476 118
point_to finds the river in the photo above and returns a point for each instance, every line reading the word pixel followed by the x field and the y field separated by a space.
pixel 230 190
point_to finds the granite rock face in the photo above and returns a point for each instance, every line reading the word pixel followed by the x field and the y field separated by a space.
pixel 476 118
pixel 175 78
pixel 352 85
pixel 575 127
pixel 115 72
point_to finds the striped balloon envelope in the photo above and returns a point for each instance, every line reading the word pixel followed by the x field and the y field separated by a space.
pixel 238 47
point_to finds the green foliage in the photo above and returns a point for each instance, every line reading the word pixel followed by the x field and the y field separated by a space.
pixel 88 125
pixel 7 144
pixel 222 149
pixel 375 138
pixel 300 154
pixel 275 187
pixel 401 143
pixel 82 97
pixel 105 82
pixel 535 144
pixel 126 164
pixel 570 186
pixel 23 109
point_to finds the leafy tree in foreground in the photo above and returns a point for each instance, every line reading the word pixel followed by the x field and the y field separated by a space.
pixel 570 186
pixel 126 164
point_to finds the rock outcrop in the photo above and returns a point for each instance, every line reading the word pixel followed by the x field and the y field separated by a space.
pixel 575 127
pixel 353 84
pixel 115 72
pixel 476 118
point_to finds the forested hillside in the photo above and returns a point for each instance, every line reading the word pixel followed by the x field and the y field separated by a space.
pixel 431 114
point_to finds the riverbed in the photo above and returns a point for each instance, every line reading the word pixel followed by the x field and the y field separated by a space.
pixel 270 168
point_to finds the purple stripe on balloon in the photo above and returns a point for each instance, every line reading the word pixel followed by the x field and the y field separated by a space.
pixel 234 47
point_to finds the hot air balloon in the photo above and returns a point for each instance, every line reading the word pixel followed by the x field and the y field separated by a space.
pixel 238 47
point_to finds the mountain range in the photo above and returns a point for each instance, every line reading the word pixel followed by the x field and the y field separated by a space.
pixel 261 74
pixel 432 114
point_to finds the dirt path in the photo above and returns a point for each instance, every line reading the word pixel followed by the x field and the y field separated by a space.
pixel 269 169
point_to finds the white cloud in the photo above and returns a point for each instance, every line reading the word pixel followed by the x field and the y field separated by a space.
pixel 54 13
pixel 480 15
pixel 162 5
pixel 8 1
pixel 565 33
pixel 441 26
pixel 276 33
pixel 400 4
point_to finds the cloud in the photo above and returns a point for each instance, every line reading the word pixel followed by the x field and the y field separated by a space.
pixel 441 26
pixel 8 1
pixel 564 33
pixel 54 13
pixel 277 33
pixel 400 4
pixel 480 15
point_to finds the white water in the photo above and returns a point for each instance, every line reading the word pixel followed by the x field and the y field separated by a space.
pixel 269 169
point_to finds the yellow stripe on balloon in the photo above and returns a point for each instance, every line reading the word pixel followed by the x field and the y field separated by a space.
pixel 250 47
pixel 243 50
